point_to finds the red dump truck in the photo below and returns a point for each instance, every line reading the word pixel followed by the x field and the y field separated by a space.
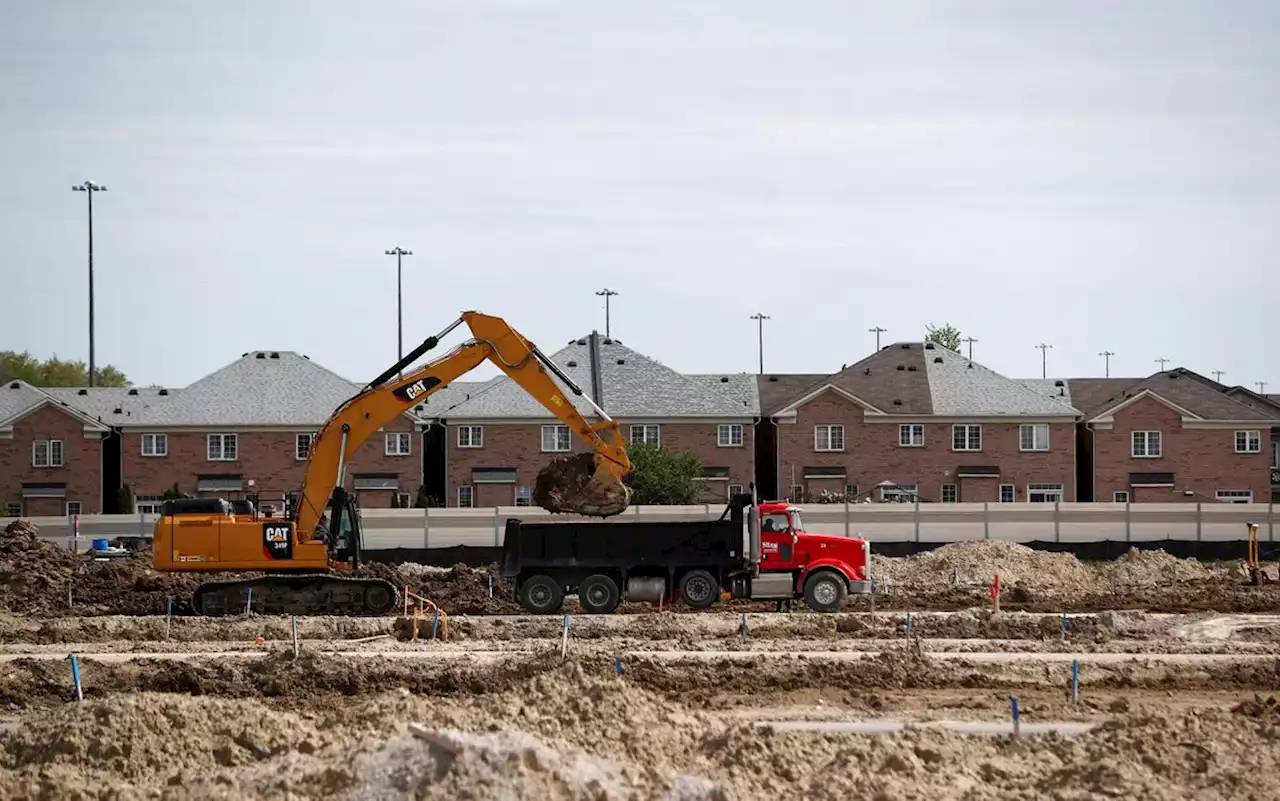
pixel 753 550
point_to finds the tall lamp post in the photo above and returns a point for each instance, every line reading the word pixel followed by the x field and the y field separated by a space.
pixel 606 293
pixel 89 187
pixel 399 253
pixel 760 317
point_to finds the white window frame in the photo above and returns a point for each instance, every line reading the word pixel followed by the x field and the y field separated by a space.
pixel 1120 496
pixel 299 452
pixel 220 455
pixel 796 491
pixel 1275 454
pixel 832 432
pixel 558 437
pixel 474 436
pixel 725 435
pixel 1146 437
pixel 1234 496
pixel 955 493
pixel 968 430
pixel 54 453
pixel 901 493
pixel 405 499
pixel 1035 429
pixel 645 431
pixel 79 508
pixel 13 509
pixel 911 435
pixel 398 443
pixel 851 491
pixel 1013 493
pixel 1046 489
pixel 1250 439
pixel 734 489
pixel 524 495
pixel 159 445
pixel 148 504
pixel 469 492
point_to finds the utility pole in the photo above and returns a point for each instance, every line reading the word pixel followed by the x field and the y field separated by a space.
pixel 606 293
pixel 760 317
pixel 969 341
pixel 89 187
pixel 1044 359
pixel 1107 354
pixel 399 253
pixel 1217 375
pixel 1262 387
pixel 877 331
pixel 1162 362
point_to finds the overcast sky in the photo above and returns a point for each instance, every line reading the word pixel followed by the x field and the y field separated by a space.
pixel 1096 176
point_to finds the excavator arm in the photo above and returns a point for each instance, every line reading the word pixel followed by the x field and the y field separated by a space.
pixel 395 392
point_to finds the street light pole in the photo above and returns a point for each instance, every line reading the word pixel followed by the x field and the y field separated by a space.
pixel 399 253
pixel 89 187
pixel 606 293
pixel 969 341
pixel 1107 354
pixel 760 317
pixel 877 331
pixel 1044 359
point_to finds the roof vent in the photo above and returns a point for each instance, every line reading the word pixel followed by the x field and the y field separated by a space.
pixel 260 356
pixel 275 355
pixel 82 392
pixel 572 363
pixel 937 360
pixel 1059 383
pixel 1062 393
pixel 305 356
pixel 581 342
pixel 906 346
pixel 163 392
pixel 969 366
pixel 866 371
pixel 844 367
pixel 1173 375
pixel 242 355
pixel 902 367
pixel 928 346
pixel 911 369
pixel 133 391
pixel 773 378
pixel 897 402
pixel 117 410
pixel 607 341
pixel 724 379
pixel 622 361
pixel 14 385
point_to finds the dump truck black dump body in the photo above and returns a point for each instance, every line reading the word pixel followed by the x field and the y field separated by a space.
pixel 606 562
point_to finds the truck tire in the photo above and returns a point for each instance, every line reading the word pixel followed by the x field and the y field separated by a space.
pixel 699 589
pixel 598 594
pixel 825 591
pixel 541 595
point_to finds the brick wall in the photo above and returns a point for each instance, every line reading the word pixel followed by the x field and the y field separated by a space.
pixel 1202 460
pixel 872 454
pixel 81 469
pixel 267 457
pixel 519 446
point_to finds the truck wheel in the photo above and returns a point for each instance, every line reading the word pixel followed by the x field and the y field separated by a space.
pixel 598 594
pixel 699 589
pixel 541 595
pixel 825 591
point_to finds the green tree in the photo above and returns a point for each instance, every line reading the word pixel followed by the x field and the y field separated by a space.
pixel 124 500
pixel 55 372
pixel 172 494
pixel 946 335
pixel 663 476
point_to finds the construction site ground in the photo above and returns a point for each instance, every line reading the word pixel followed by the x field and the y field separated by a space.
pixel 1178 663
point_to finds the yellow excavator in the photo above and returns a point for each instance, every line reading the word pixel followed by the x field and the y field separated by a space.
pixel 303 553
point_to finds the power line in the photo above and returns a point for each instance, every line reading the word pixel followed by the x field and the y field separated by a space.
pixel 877 331
pixel 760 317
pixel 1044 359
pixel 1107 354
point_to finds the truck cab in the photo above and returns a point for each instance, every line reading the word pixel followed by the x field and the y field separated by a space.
pixel 786 549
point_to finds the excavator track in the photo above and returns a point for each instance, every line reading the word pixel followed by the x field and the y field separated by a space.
pixel 303 594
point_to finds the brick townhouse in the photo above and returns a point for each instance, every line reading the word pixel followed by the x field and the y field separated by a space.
pixel 498 437
pixel 1175 436
pixel 918 421
pixel 50 454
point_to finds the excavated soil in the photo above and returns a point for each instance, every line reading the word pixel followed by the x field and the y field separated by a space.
pixel 570 733
pixel 568 484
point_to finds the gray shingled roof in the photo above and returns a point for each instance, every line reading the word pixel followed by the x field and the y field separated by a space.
pixel 633 385
pixel 261 388
pixel 960 387
pixel 1049 388
pixel 100 403
pixel 17 397
pixel 740 386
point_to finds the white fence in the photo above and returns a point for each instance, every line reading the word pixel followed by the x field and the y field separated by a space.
pixel 930 522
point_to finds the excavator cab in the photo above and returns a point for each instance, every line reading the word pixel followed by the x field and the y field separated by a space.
pixel 343 533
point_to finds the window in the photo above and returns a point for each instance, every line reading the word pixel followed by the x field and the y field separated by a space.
pixel 1248 442
pixel 470 436
pixel 735 489
pixel 13 509
pixel 797 494
pixel 1235 496
pixel 729 435
pixel 899 493
pixel 911 436
pixel 222 447
pixel 851 492
pixel 73 508
pixel 1146 444
pixel 1121 496
pixel 466 497
pixel 1044 493
pixel 1033 437
pixel 1006 493
pixel 828 438
pixel 46 453
pixel 1275 454
pixel 148 504
pixel 966 437
pixel 949 494
pixel 648 434
pixel 302 445
pixel 155 444
pixel 404 500
pixel 399 444
pixel 555 438
pixel 523 496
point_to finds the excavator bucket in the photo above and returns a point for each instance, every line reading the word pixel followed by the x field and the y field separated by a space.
pixel 583 484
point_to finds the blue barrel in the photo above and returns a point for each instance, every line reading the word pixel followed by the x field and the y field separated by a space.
pixel 101 543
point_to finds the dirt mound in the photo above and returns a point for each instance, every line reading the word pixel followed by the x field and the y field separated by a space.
pixel 965 562
pixel 572 484
pixel 1148 568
